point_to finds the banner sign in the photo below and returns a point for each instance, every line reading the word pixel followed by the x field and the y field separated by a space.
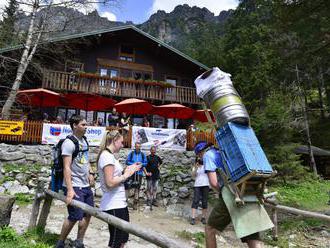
pixel 170 139
pixel 52 133
pixel 11 127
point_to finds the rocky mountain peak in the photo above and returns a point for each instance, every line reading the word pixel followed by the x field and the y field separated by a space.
pixel 174 26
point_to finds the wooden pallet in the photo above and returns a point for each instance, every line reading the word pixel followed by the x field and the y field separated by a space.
pixel 253 184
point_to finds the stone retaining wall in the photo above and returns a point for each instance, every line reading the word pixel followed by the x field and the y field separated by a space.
pixel 21 166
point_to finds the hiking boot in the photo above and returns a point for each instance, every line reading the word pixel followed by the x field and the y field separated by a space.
pixel 78 244
pixel 60 244
pixel 192 221
pixel 135 205
pixel 154 202
pixel 203 220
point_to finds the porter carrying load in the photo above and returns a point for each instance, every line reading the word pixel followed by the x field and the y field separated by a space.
pixel 247 168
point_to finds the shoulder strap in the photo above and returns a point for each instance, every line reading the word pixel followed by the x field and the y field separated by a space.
pixel 76 145
pixel 131 156
pixel 109 150
pixel 85 138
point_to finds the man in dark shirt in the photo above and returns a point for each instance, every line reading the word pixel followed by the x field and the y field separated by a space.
pixel 152 174
pixel 113 118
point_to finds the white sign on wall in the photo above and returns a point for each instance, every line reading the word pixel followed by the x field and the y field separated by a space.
pixel 52 133
pixel 170 139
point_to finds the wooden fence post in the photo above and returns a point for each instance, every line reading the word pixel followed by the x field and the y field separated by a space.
pixel 42 222
pixel 275 228
pixel 36 205
pixel 147 234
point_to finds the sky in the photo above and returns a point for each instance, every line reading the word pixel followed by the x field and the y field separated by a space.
pixel 139 11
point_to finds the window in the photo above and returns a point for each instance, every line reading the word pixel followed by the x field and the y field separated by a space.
pixel 137 75
pixel 126 58
pixel 171 80
pixel 113 73
pixel 108 72
pixel 103 72
pixel 147 76
pixel 73 66
pixel 127 49
pixel 171 91
pixel 126 53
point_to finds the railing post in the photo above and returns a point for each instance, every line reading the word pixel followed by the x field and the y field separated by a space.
pixel 275 228
pixel 36 205
pixel 42 222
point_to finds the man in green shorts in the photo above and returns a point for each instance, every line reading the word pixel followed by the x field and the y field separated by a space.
pixel 219 217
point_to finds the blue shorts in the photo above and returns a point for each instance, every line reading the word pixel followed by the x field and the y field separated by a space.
pixel 85 196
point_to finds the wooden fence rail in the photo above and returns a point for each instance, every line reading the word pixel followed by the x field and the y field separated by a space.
pixel 146 234
pixel 33 131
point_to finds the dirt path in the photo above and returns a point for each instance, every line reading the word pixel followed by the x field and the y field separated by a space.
pixel 97 233
pixel 157 220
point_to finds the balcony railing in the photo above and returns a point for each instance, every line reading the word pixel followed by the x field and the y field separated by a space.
pixel 120 87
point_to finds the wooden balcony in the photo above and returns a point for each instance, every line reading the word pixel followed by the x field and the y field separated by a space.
pixel 118 87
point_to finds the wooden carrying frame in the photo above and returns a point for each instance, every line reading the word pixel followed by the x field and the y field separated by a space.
pixel 252 184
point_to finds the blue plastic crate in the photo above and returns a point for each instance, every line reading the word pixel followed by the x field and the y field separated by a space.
pixel 242 151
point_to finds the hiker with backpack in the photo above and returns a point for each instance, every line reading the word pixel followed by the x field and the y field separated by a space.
pixel 134 182
pixel 77 180
pixel 112 177
pixel 220 218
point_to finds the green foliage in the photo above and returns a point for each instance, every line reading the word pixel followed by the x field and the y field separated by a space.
pixel 7 26
pixel 6 179
pixel 288 165
pixel 248 51
pixel 210 53
pixel 198 237
pixel 44 238
pixel 23 199
pixel 8 234
pixel 35 238
pixel 271 122
pixel 23 167
pixel 287 226
pixel 309 195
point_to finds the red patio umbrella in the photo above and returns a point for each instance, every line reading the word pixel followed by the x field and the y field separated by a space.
pixel 176 111
pixel 88 102
pixel 39 98
pixel 200 115
pixel 134 106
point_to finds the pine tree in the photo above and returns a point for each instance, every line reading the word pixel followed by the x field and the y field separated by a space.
pixel 7 30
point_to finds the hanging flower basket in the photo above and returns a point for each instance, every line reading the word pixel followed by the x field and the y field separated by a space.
pixel 125 80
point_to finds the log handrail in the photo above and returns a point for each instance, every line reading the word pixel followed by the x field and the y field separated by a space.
pixel 154 237
pixel 297 211
pixel 120 87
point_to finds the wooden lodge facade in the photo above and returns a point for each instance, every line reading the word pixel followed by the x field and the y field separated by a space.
pixel 121 62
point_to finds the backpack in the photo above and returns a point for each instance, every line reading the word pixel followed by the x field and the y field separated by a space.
pixel 57 167
pixel 142 156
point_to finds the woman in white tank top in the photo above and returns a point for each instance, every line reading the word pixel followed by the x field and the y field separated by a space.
pixel 113 176
pixel 201 191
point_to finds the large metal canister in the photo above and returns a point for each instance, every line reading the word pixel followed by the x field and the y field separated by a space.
pixel 221 97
